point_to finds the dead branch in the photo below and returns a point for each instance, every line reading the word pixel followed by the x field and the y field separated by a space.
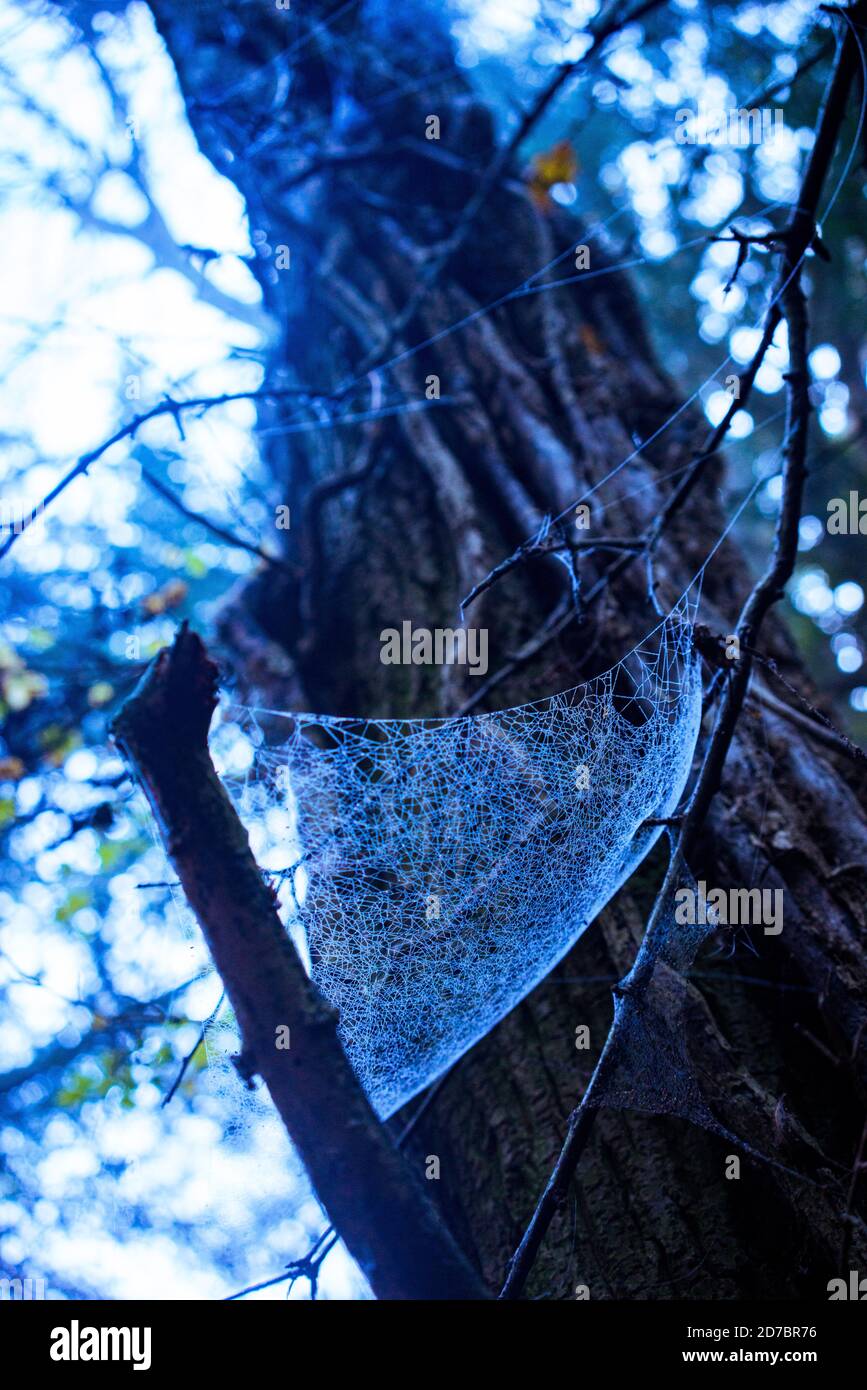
pixel 366 1186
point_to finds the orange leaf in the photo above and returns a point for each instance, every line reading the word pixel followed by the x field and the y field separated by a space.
pixel 559 164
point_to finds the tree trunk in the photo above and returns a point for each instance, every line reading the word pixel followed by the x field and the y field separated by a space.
pixel 540 398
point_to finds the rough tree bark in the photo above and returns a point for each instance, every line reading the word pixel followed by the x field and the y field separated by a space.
pixel 399 518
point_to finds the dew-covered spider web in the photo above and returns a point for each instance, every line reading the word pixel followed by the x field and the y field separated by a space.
pixel 654 1066
pixel 442 867
pixel 662 1059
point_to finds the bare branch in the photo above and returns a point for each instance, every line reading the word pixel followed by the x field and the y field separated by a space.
pixel 766 592
pixel 380 1210
pixel 168 406
pixel 231 539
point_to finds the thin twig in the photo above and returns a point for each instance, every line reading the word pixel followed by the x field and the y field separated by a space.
pixel 298 1267
pixel 165 492
pixel 766 592
pixel 826 726
pixel 182 1070
pixel 309 1266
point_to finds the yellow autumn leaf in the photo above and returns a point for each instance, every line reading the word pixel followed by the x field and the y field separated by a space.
pixel 559 164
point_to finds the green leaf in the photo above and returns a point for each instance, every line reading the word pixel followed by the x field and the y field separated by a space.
pixel 77 899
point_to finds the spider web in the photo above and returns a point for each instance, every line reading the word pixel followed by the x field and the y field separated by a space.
pixel 444 866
